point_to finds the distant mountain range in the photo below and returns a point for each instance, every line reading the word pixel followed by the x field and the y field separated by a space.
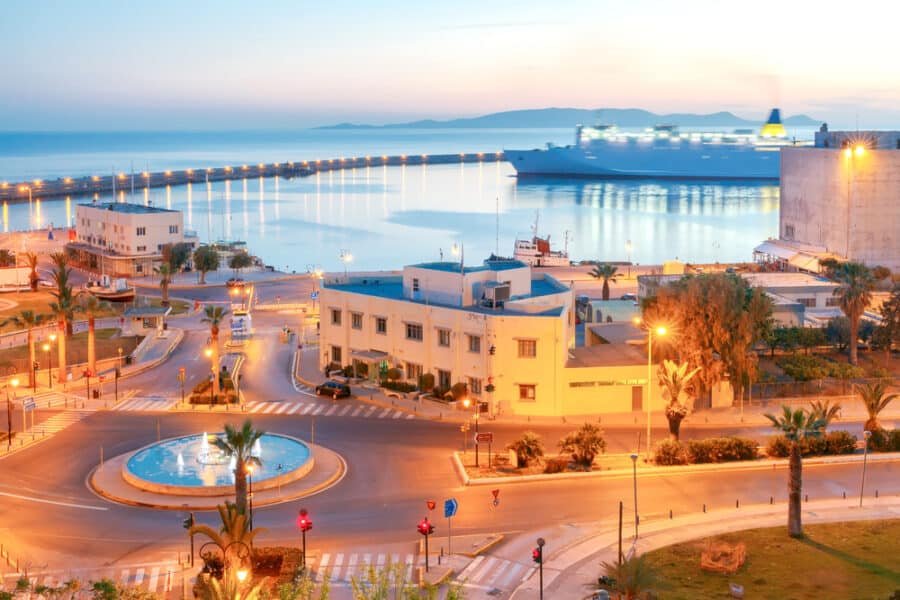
pixel 569 117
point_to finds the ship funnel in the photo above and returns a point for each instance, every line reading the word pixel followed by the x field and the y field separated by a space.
pixel 773 127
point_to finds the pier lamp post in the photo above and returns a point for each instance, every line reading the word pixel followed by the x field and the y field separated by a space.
pixel 658 331
pixel 634 458
pixel 862 483
pixel 346 258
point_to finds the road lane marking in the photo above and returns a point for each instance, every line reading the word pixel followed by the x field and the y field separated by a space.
pixel 318 410
pixel 472 566
pixel 139 577
pixel 513 571
pixel 485 568
pixel 154 579
pixel 124 578
pixel 296 407
pixel 380 560
pixel 323 566
pixel 345 411
pixel 383 413
pixel 397 414
pixel 335 572
pixel 330 411
pixel 357 411
pixel 370 411
pixel 54 502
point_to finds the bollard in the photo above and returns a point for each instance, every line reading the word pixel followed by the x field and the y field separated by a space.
pixel 670 513
pixel 806 498
pixel 704 507
pixel 771 499
pixel 737 503
pixel 876 493
pixel 845 494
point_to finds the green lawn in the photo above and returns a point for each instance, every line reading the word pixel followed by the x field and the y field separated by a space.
pixel 107 345
pixel 39 302
pixel 179 307
pixel 856 560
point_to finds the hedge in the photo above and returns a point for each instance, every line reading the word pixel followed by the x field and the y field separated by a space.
pixel 884 440
pixel 711 450
pixel 398 386
pixel 829 444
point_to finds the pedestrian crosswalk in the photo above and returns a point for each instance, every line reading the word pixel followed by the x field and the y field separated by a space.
pixel 341 568
pixel 59 421
pixel 325 409
pixel 492 572
pixel 146 404
pixel 154 578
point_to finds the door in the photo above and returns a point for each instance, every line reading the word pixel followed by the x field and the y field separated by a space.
pixel 637 397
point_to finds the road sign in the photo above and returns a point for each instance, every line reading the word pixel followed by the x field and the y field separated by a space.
pixel 495 493
pixel 450 507
pixel 314 295
pixel 484 438
pixel 430 504
pixel 29 404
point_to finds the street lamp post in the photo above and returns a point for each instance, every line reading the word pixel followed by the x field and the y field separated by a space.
pixel 46 349
pixel 466 403
pixel 346 258
pixel 634 458
pixel 659 331
pixel 866 435
pixel 249 469
pixel 14 382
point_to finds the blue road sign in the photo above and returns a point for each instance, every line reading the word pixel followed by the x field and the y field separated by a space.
pixel 31 405
pixel 314 295
pixel 450 507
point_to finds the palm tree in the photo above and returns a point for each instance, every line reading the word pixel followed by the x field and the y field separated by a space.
pixel 63 308
pixel 238 443
pixel 674 378
pixel 875 399
pixel 527 448
pixel 633 576
pixel 796 425
pixel 235 527
pixel 607 273
pixel 27 320
pixel 31 259
pixel 91 306
pixel 165 278
pixel 854 293
pixel 826 410
pixel 214 316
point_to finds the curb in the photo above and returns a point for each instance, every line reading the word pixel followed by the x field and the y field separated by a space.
pixel 484 547
pixel 756 465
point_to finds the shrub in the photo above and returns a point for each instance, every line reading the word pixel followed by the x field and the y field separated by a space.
pixel 778 447
pixel 459 390
pixel 670 452
pixel 721 449
pixel 584 444
pixel 884 440
pixel 832 443
pixel 527 448
pixel 426 382
pixel 393 374
pixel 398 386
pixel 840 442
pixel 556 465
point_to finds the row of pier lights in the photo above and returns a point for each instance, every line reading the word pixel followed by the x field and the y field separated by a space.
pixel 27 190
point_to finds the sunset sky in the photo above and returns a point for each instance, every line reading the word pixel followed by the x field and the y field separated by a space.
pixel 235 65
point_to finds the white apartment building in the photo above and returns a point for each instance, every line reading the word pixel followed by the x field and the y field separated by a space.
pixel 125 239
pixel 506 332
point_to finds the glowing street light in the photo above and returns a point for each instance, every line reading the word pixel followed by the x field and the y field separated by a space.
pixel 346 258
pixel 658 331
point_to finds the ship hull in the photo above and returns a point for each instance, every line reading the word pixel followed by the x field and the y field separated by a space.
pixel 664 159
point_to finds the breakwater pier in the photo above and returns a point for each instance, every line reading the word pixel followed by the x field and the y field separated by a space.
pixel 24 191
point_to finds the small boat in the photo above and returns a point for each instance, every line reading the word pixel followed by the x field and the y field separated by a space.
pixel 537 252
pixel 111 290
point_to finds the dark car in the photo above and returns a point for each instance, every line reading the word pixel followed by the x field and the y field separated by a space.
pixel 332 388
pixel 235 282
pixel 629 297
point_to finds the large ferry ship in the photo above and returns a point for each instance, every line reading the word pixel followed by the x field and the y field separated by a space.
pixel 604 151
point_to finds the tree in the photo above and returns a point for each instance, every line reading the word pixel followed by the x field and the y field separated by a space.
pixel 206 259
pixel 527 448
pixel 214 316
pixel 888 334
pixel 796 425
pixel 837 332
pixel 165 278
pixel 825 410
pixel 674 378
pixel 235 527
pixel 238 444
pixel 875 398
pixel 607 273
pixel 63 308
pixel 633 576
pixel 31 259
pixel 7 258
pixel 854 293
pixel 810 337
pixel 584 444
pixel 240 260
pixel 881 273
pixel 91 306
pixel 176 255
pixel 27 320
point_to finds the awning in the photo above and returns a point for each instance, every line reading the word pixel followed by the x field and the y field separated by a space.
pixel 805 262
pixel 368 355
pixel 774 249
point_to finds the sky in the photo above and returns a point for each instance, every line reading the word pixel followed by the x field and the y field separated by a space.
pixel 172 65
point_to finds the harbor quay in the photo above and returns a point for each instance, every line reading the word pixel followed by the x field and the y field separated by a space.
pixel 23 191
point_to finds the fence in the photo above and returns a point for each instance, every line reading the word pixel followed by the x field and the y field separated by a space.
pixel 830 387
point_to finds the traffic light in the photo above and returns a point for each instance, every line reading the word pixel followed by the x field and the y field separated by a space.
pixel 36 365
pixel 188 522
pixel 304 523
pixel 492 350
pixel 537 555
pixel 425 527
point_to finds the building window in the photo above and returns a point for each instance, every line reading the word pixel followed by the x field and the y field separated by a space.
pixel 788 232
pixel 356 320
pixel 474 385
pixel 138 268
pixel 141 248
pixel 527 348
pixel 414 332
pixel 173 228
pixel 526 393
pixel 336 354
pixel 444 379
pixel 335 316
pixel 807 302
pixel 474 343
pixel 381 325
pixel 444 337
pixel 141 231
pixel 413 372
pixel 415 284
pixel 832 301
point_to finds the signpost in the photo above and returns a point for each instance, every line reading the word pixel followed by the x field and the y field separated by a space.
pixel 485 437
pixel 28 405
pixel 450 508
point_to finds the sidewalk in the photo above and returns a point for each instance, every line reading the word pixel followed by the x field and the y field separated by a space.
pixel 574 561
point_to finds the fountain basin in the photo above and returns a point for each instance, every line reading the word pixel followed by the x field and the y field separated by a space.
pixel 190 466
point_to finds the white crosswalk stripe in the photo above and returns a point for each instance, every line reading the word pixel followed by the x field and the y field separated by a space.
pixel 157 578
pixel 310 408
pixel 59 421
pixel 146 404
pixel 342 568
pixel 491 572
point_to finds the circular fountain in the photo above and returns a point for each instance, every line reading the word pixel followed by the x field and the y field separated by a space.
pixel 194 466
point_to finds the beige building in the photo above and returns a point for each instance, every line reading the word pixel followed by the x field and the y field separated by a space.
pixel 842 196
pixel 506 332
pixel 125 239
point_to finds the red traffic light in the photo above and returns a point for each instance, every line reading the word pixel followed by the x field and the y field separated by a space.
pixel 537 555
pixel 425 527
pixel 304 522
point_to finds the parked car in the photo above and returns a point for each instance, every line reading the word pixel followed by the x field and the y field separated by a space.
pixel 629 297
pixel 235 282
pixel 333 388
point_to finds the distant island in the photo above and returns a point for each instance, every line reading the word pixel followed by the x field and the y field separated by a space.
pixel 569 117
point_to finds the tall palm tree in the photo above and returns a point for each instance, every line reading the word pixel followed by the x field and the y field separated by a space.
pixel 214 316
pixel 165 278
pixel 238 443
pixel 63 308
pixel 854 293
pixel 235 527
pixel 674 378
pixel 875 399
pixel 91 306
pixel 607 273
pixel 31 259
pixel 796 425
pixel 27 320
pixel 826 410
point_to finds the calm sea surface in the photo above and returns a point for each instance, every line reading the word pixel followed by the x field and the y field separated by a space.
pixel 387 217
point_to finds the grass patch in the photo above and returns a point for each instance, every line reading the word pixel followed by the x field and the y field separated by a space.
pixel 39 302
pixel 107 344
pixel 836 560
pixel 179 307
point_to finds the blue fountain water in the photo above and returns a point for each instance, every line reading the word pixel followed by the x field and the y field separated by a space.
pixel 188 461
